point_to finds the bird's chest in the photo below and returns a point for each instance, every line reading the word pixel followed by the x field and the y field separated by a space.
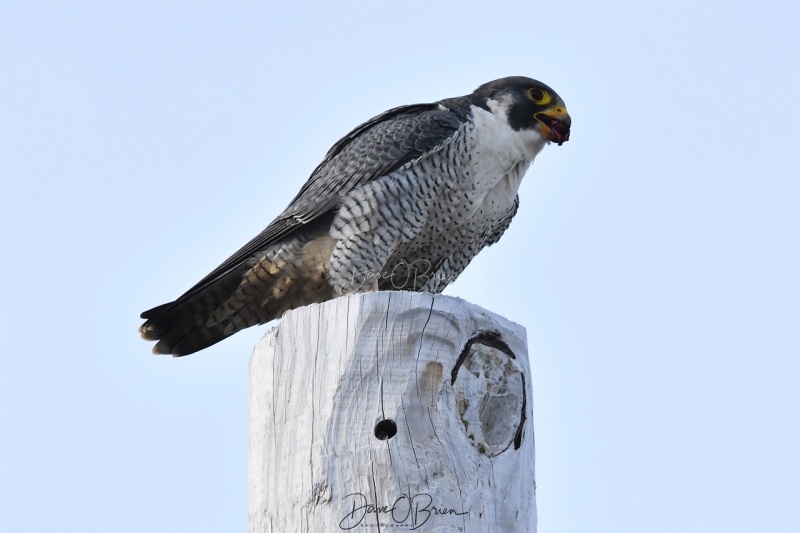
pixel 492 161
pixel 477 193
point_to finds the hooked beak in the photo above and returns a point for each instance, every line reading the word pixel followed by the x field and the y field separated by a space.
pixel 555 123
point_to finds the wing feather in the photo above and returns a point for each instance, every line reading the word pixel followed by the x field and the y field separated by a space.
pixel 373 149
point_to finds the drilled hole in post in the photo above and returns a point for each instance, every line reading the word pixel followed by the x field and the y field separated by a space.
pixel 385 429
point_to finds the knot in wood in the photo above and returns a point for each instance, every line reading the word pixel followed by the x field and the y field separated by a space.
pixel 490 395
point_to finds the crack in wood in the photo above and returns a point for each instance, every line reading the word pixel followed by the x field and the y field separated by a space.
pixel 378 367
pixel 492 339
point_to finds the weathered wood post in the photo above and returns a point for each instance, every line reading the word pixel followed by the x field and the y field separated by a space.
pixel 392 409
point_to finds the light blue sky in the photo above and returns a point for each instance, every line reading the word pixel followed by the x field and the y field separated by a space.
pixel 655 260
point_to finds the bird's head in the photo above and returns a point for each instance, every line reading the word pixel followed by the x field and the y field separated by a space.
pixel 529 104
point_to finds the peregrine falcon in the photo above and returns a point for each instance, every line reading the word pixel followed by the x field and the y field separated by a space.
pixel 402 202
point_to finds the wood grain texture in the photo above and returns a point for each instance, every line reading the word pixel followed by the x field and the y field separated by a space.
pixel 392 410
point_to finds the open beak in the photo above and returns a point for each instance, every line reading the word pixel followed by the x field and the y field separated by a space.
pixel 555 123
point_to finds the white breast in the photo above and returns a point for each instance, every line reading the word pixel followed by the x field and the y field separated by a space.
pixel 501 155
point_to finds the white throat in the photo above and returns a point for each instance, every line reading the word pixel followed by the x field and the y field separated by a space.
pixel 521 144
pixel 504 154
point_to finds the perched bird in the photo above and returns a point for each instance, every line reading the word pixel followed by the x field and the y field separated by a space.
pixel 402 202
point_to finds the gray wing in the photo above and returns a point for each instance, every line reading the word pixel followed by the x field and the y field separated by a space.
pixel 373 149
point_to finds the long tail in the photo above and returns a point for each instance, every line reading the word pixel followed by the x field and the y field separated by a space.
pixel 284 277
pixel 185 325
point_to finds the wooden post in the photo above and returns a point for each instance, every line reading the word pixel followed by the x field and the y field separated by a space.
pixel 391 410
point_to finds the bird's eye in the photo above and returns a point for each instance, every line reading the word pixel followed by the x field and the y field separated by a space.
pixel 538 96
